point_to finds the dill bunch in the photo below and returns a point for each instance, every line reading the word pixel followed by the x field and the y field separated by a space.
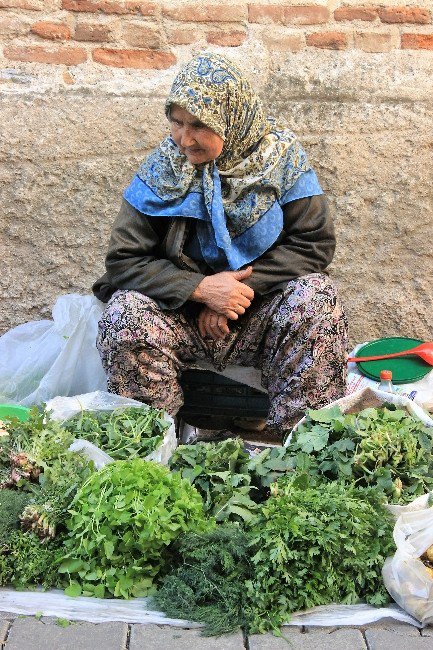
pixel 207 585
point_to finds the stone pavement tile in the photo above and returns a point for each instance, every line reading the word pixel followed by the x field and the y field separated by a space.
pixel 427 631
pixel 163 637
pixel 340 639
pixel 7 615
pixel 4 629
pixel 31 634
pixel 386 640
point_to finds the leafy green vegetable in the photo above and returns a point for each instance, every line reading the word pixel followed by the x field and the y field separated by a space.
pixel 36 458
pixel 314 545
pixel 386 448
pixel 230 482
pixel 26 561
pixel 122 520
pixel 123 433
pixel 12 504
pixel 207 583
pixel 215 470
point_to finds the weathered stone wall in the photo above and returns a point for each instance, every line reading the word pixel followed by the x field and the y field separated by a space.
pixel 82 85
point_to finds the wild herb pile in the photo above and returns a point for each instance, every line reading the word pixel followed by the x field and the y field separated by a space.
pixel 207 580
pixel 385 448
pixel 219 537
pixel 315 544
pixel 122 520
pixel 230 481
pixel 124 433
pixel 39 479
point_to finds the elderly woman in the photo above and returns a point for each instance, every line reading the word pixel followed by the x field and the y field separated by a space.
pixel 218 254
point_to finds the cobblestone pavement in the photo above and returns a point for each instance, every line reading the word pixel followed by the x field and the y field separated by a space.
pixel 30 633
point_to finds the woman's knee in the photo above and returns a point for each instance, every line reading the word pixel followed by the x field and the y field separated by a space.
pixel 127 315
pixel 309 298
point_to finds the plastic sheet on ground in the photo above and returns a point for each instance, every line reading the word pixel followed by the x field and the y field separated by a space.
pixel 94 610
pixel 104 610
pixel 354 615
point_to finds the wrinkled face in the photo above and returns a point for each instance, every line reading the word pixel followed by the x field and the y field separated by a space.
pixel 195 140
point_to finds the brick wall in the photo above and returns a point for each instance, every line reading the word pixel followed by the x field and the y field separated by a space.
pixel 148 35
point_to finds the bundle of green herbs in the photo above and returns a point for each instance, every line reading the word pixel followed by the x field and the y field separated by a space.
pixel 26 562
pixel 125 433
pixel 230 481
pixel 315 544
pixel 207 580
pixel 12 504
pixel 35 458
pixel 122 520
pixel 385 447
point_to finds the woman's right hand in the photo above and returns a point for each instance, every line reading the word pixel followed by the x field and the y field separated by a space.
pixel 225 293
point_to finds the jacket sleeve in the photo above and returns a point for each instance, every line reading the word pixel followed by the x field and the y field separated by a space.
pixel 306 245
pixel 134 262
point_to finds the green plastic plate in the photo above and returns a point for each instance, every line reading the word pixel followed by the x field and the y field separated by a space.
pixel 14 411
pixel 404 369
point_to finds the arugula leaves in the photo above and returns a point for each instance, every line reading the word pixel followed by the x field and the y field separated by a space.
pixel 123 433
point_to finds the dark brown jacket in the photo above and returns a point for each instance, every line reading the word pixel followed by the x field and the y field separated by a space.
pixel 146 254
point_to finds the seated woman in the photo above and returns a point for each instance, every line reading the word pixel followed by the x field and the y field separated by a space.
pixel 219 253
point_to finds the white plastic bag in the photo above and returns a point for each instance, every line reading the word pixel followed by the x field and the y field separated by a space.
pixel 41 359
pixel 405 576
pixel 64 408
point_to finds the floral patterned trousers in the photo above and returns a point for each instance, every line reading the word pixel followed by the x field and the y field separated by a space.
pixel 297 337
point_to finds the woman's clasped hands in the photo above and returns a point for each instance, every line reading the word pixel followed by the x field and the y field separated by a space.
pixel 225 297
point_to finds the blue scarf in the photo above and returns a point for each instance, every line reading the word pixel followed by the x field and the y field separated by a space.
pixel 237 199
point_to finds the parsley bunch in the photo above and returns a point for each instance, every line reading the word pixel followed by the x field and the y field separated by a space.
pixel 315 544
pixel 27 562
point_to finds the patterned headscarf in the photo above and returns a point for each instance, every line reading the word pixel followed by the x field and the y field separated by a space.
pixel 237 198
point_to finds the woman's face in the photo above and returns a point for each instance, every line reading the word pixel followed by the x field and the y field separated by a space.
pixel 195 140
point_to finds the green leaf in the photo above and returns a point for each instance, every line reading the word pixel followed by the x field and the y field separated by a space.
pixel 99 591
pixel 71 566
pixel 73 590
pixel 108 549
pixel 308 442
pixel 325 414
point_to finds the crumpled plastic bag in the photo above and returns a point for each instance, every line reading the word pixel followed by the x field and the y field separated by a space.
pixel 42 359
pixel 405 576
pixel 64 408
